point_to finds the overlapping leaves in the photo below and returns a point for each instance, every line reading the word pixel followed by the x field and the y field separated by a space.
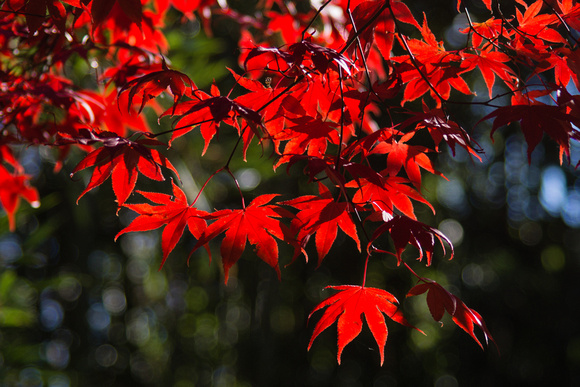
pixel 123 160
pixel 315 83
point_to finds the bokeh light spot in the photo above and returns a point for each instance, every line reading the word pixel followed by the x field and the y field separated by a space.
pixel 106 355
pixel 553 258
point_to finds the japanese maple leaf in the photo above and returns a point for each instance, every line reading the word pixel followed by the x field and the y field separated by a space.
pixel 410 157
pixel 256 223
pixel 391 192
pixel 441 128
pixel 263 99
pixel 570 13
pixel 100 10
pixel 310 135
pixel 209 111
pixel 487 31
pixel 404 230
pixel 381 29
pixel 151 85
pixel 35 11
pixel 535 119
pixel 439 71
pixel 534 25
pixel 302 55
pixel 349 305
pixel 440 300
pixel 173 213
pixel 321 57
pixel 14 186
pixel 492 63
pixel 320 215
pixel 122 159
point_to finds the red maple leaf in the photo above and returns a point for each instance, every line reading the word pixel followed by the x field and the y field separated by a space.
pixel 257 223
pixel 387 194
pixel 441 128
pixel 101 10
pixel 405 231
pixel 349 306
pixel 122 159
pixel 535 119
pixel 432 69
pixel 209 111
pixel 173 213
pixel 310 135
pixel 440 300
pixel 320 215
pixel 533 25
pixel 35 11
pixel 14 186
pixel 486 2
pixel 410 157
pixel 492 63
pixel 381 29
pixel 487 31
pixel 302 57
pixel 151 85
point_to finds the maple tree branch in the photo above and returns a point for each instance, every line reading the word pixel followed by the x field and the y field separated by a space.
pixel 314 18
pixel 564 23
pixel 364 60
pixel 237 185
pixel 337 165
pixel 365 26
pixel 472 29
pixel 154 135
pixel 413 272
pixel 205 184
pixel 23 13
pixel 416 65
pixel 365 271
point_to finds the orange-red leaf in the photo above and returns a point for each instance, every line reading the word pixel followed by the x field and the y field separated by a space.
pixel 14 186
pixel 320 215
pixel 387 194
pixel 410 157
pixel 151 85
pixel 173 213
pixel 349 305
pixel 257 223
pixel 122 159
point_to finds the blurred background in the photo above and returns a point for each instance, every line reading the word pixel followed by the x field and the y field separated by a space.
pixel 78 309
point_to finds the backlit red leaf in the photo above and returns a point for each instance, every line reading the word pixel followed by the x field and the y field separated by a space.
pixel 13 187
pixel 172 212
pixel 122 159
pixel 320 216
pixel 349 305
pixel 258 224
pixel 151 85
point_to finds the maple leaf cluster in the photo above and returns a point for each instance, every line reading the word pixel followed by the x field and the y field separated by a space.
pixel 316 87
